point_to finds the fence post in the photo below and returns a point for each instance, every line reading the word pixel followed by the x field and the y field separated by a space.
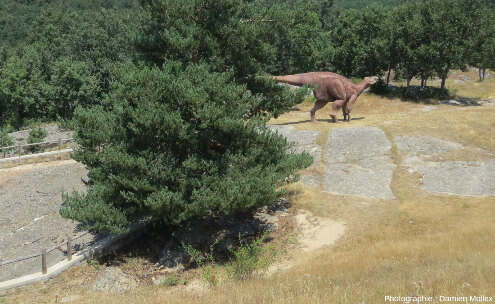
pixel 19 149
pixel 43 262
pixel 69 247
pixel 59 143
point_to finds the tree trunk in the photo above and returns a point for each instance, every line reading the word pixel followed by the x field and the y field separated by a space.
pixel 408 81
pixel 479 73
pixel 484 71
pixel 444 77
pixel 388 75
pixel 17 116
pixel 426 82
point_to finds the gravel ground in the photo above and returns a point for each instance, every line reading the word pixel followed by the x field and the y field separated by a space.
pixel 30 197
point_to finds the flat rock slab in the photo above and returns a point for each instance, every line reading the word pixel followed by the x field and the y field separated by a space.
pixel 417 148
pixel 358 163
pixel 449 177
pixel 458 177
pixel 304 140
pixel 113 280
pixel 30 199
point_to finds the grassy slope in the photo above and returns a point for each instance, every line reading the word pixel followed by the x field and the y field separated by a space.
pixel 420 244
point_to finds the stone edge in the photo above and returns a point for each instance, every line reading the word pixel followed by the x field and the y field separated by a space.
pixel 37 158
pixel 112 242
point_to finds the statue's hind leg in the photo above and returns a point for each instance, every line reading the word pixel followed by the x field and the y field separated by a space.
pixel 318 105
pixel 336 105
pixel 336 90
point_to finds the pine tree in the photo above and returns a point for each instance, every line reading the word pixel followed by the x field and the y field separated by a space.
pixel 184 133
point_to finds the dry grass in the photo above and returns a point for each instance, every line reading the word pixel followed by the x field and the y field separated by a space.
pixel 419 244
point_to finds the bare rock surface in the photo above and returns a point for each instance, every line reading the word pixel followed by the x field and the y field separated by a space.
pixel 358 163
pixel 449 177
pixel 459 177
pixel 30 198
pixel 70 299
pixel 171 259
pixel 304 140
pixel 312 180
pixel 428 108
pixel 417 148
pixel 113 280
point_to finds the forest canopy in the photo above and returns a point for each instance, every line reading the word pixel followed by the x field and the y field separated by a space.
pixel 56 55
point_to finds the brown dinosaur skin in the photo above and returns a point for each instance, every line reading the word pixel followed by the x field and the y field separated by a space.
pixel 331 87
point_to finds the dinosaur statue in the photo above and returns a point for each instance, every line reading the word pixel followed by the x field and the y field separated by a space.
pixel 331 87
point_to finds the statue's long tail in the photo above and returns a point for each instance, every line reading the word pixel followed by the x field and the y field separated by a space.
pixel 290 79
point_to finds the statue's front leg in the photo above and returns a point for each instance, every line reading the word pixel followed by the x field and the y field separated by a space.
pixel 347 115
pixel 347 108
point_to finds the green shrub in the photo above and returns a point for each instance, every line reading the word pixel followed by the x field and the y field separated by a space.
pixel 205 261
pixel 248 258
pixel 424 93
pixel 36 135
pixel 414 93
pixel 5 141
pixel 171 280
pixel 94 264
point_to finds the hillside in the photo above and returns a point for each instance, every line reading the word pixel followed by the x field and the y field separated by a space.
pixel 414 226
pixel 346 4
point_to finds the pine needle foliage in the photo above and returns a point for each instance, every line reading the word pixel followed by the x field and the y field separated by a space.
pixel 175 144
pixel 183 133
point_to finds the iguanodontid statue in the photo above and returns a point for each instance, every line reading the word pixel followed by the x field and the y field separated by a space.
pixel 331 87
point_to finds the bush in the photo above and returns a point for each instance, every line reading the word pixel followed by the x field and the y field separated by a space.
pixel 36 135
pixel 416 93
pixel 379 88
pixel 5 141
pixel 249 257
pixel 204 260
pixel 170 280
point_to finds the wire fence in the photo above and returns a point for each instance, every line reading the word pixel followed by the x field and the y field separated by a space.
pixel 25 149
pixel 44 252
pixel 34 148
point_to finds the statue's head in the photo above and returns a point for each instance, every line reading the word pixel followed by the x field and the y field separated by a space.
pixel 371 80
